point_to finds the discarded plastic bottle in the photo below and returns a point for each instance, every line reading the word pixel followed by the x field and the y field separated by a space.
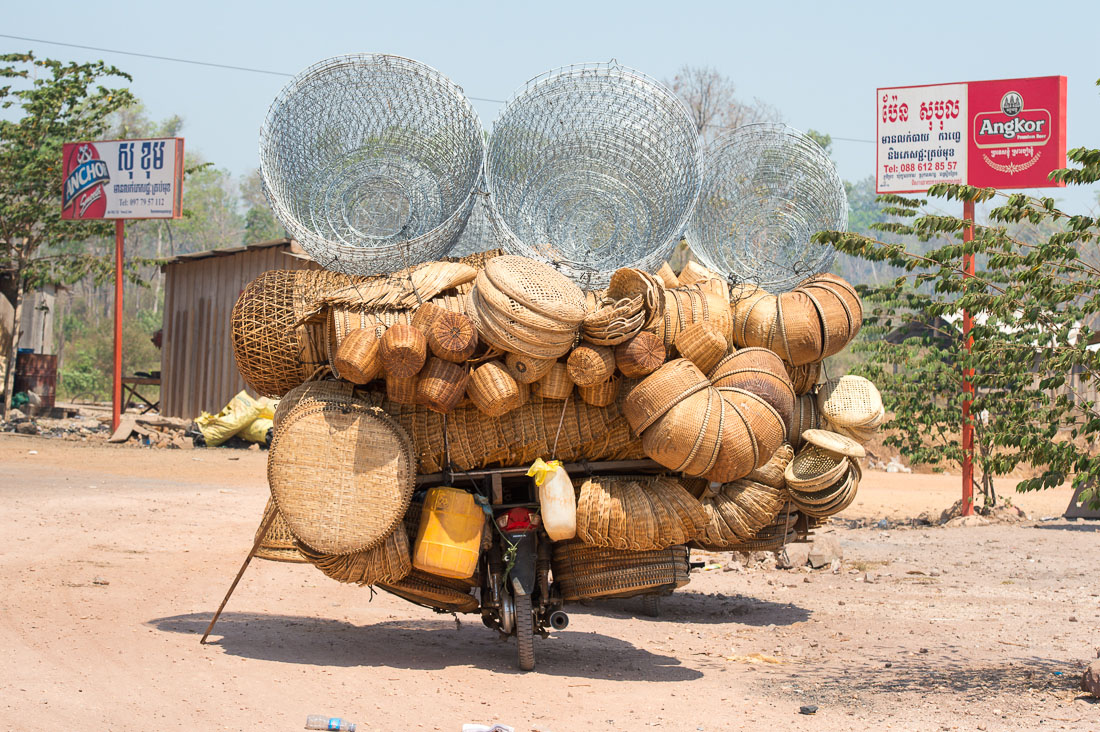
pixel 320 721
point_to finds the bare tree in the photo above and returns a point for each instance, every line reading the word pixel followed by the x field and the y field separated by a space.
pixel 714 106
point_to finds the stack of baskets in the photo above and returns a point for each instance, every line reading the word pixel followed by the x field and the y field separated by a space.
pixel 824 475
pixel 852 406
pixel 585 572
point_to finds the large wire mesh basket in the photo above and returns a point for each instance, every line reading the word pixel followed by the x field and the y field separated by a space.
pixel 371 162
pixel 591 168
pixel 767 188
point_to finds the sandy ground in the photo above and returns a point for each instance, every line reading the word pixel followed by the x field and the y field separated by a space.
pixel 115 558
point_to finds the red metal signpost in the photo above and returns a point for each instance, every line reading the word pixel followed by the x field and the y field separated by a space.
pixel 1008 133
pixel 122 179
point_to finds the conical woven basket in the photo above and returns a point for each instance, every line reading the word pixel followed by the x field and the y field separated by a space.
pixel 813 469
pixel 641 355
pixel 583 571
pixel 452 336
pixel 688 437
pixel 357 359
pixel 799 338
pixel 767 380
pixel 804 377
pixel 703 344
pixel 442 385
pixel 525 369
pixel 806 417
pixel 403 350
pixel 591 365
pixel 493 390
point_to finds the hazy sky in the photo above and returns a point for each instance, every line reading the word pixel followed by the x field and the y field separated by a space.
pixel 818 63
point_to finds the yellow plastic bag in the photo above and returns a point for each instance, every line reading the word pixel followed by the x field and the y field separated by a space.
pixel 257 431
pixel 241 411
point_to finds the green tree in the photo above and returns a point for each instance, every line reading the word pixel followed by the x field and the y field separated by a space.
pixel 1035 297
pixel 60 102
pixel 259 223
pixel 822 139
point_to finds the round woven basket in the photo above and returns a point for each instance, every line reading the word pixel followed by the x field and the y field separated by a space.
pixel 851 401
pixel 688 437
pixel 736 511
pixel 641 355
pixel 771 473
pixel 492 389
pixel 637 513
pixel 630 283
pixel 583 571
pixel 804 377
pixel 591 365
pixel 358 359
pixel 452 336
pixel 499 330
pixel 441 594
pixel 799 337
pixel 755 314
pixel 372 161
pixel 278 543
pixel 425 315
pixel 659 392
pixel 738 449
pixel 402 390
pixel 603 394
pixel 698 303
pixel 703 344
pixel 767 380
pixel 539 289
pixel 403 351
pixel 836 322
pixel 367 461
pixel 556 383
pixel 667 277
pixel 273 353
pixel 525 369
pixel 313 392
pixel 842 289
pixel 442 385
pixel 387 562
pixel 613 321
pixel 813 469
pixel 806 417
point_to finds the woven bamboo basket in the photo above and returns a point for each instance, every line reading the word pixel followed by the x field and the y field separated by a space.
pixel 813 469
pixel 702 344
pixel 614 321
pixel 452 337
pixel 555 383
pixel 764 422
pixel 442 385
pixel 387 562
pixel 637 513
pixel 603 394
pixel 806 417
pixel 278 543
pixel 843 289
pixel 695 304
pixel 402 390
pixel 528 322
pixel 836 321
pixel 738 510
pixel 493 390
pixel 755 313
pixel 538 287
pixel 527 370
pixel 524 391
pixel 694 273
pixel 358 358
pixel 688 437
pixel 835 443
pixel 862 435
pixel 273 353
pixel 768 382
pixel 775 536
pixel 591 365
pixel 630 283
pixel 738 449
pixel 659 392
pixel 804 377
pixel 368 464
pixel 500 331
pixel 851 401
pixel 313 392
pixel 667 277
pixel 403 350
pixel 771 473
pixel 641 355
pixel 425 315
pixel 476 440
pixel 441 594
pixel 584 571
pixel 799 337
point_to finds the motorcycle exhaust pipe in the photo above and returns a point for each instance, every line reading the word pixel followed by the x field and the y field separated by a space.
pixel 559 620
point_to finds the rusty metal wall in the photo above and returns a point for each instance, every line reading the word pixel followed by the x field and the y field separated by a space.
pixel 198 372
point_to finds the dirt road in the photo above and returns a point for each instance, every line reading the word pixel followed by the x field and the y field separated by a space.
pixel 114 559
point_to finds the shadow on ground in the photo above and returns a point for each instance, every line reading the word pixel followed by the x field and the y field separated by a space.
pixel 1091 526
pixel 699 607
pixel 422 645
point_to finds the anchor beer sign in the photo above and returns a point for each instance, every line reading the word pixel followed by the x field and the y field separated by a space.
pixel 993 134
pixel 123 179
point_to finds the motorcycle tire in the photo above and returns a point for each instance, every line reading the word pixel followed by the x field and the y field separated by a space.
pixel 525 633
pixel 651 605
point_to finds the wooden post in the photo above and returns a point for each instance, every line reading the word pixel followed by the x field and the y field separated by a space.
pixel 968 388
pixel 255 548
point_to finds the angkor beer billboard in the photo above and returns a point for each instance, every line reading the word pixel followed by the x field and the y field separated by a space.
pixel 1008 133
pixel 123 179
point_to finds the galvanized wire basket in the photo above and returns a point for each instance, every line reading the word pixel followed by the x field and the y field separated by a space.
pixel 767 188
pixel 371 162
pixel 591 168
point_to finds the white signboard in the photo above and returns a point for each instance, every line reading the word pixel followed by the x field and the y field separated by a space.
pixel 922 137
pixel 123 179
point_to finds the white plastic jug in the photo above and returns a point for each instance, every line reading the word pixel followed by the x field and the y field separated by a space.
pixel 557 501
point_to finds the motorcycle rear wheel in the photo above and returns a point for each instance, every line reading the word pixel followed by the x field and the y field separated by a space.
pixel 525 633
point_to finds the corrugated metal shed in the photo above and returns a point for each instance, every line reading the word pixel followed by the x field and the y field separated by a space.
pixel 198 372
